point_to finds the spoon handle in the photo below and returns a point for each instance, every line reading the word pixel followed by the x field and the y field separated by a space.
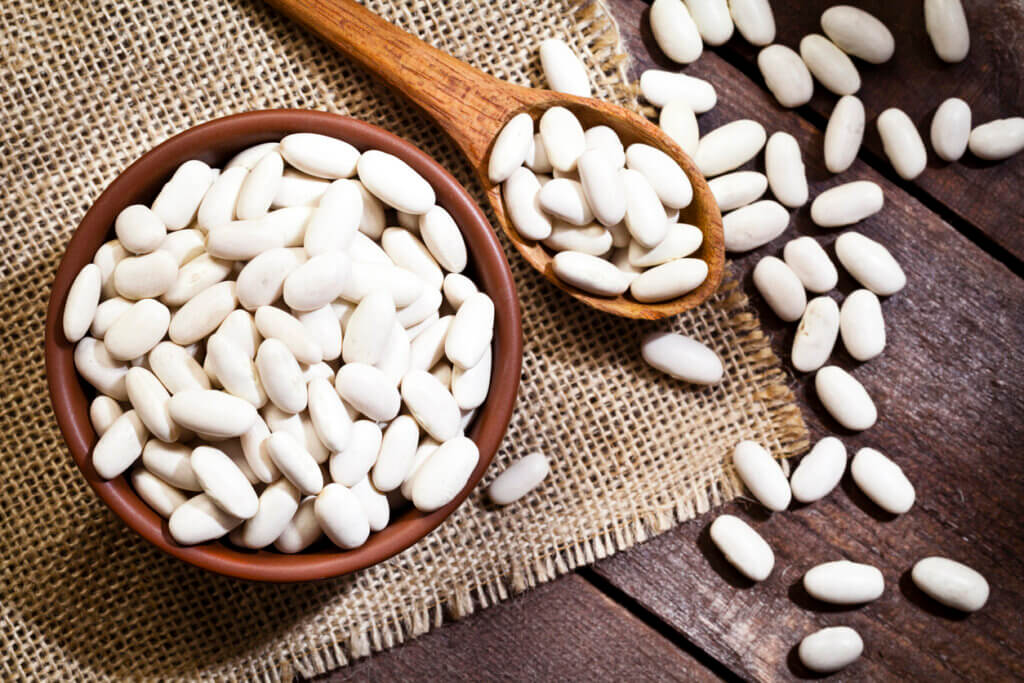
pixel 469 105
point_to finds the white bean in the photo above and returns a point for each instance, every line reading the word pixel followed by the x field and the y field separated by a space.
pixel 829 64
pixel 645 215
pixel 82 301
pixel 341 516
pixel 397 450
pixel 395 183
pixel 273 323
pixel 251 156
pixel 213 413
pixel 320 155
pixel 281 376
pixel 94 362
pixel 589 273
pixel 870 263
pixel 107 257
pixel 102 412
pixel 819 471
pixel 471 331
pixel 594 240
pixel 149 398
pixel 563 138
pixel 223 482
pixel 785 170
pixel 733 190
pixel 156 493
pixel 786 75
pixel 179 199
pixel 858 33
pixel 729 146
pixel 469 386
pixel 522 200
pixel 407 251
pixel 997 140
pixel 845 398
pixel 176 368
pixel 254 448
pixel 563 70
pixel 295 462
pixel 780 288
pixel 259 187
pixel 952 583
pixel 743 547
pixel 145 277
pixel 811 264
pixel 120 446
pixel 196 275
pixel 669 280
pixel 277 506
pixel 847 204
pixel 762 474
pixel 816 335
pixel 861 325
pixel 235 370
pixel 172 463
pixel 184 245
pixel 519 478
pixel 537 157
pixel 682 358
pixel 844 583
pixel 368 390
pixel 302 531
pixel 139 230
pixel 243 240
pixel 199 520
pixel 830 649
pixel 679 122
pixel 844 133
pixel 137 330
pixel 107 313
pixel 202 314
pixel 951 128
pixel 566 199
pixel 432 404
pixel 427 305
pixel 946 24
pixel 664 175
pixel 374 503
pixel 602 190
pixel 675 31
pixel 883 481
pixel 317 282
pixel 902 143
pixel 754 225
pixel 512 144
pixel 681 240
pixel 443 239
pixel 605 139
pixel 754 20
pixel 335 222
pixel 218 205
pixel 351 464
pixel 444 474
pixel 712 19
pixel 324 329
pixel 661 87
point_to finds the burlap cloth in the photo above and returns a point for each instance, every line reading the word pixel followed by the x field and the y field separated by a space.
pixel 87 88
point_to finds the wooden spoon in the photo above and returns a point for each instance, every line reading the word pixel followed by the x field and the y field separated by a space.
pixel 472 107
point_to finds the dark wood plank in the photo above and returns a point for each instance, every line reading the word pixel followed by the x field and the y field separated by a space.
pixel 991 79
pixel 563 630
pixel 951 398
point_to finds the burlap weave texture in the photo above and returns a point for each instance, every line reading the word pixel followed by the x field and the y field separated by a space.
pixel 90 86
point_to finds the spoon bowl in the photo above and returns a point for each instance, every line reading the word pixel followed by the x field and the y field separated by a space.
pixel 472 107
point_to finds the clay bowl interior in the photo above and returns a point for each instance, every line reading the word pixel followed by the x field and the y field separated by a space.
pixel 214 143
pixel 702 211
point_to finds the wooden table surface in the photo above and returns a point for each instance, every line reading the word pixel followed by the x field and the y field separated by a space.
pixel 950 393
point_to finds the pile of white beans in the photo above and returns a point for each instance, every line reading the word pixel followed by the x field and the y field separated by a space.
pixel 275 362
pixel 681 29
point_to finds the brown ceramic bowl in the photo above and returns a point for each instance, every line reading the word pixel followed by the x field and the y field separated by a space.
pixel 215 142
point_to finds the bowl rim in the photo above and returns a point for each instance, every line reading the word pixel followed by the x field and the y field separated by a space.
pixel 215 141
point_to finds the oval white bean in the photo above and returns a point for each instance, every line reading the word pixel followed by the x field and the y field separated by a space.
pixel 883 481
pixel 368 329
pixel 145 277
pixel 661 87
pixel 107 313
pixel 139 230
pixel 563 70
pixel 785 75
pixel 202 314
pixel 512 144
pixel 469 386
pixel 845 398
pixel 816 335
pixel 218 205
pixel 148 398
pixel 785 170
pixel 374 503
pixel 563 138
pixel 743 547
pixel 302 531
pixel 946 24
pixel 334 224
pixel 295 462
pixel 395 183
pixel 235 370
pixel 870 263
pixel 341 516
pixel 397 451
pixel 754 225
pixel 729 146
pixel 861 325
pixel 82 301
pixel 675 32
pixel 254 449
pixel 444 474
pixel 819 471
pixel 830 649
pixel 522 199
pixel 120 446
pixel 172 463
pixel 951 128
pixel 664 175
pixel 427 305
pixel 603 192
pixel 320 155
pixel 754 20
pixel 443 239
pixel 733 190
pixel 407 251
pixel 298 189
pixel 811 264
pixel 259 187
pixel 223 482
pixel 829 64
pixel 324 329
pixel 565 199
pixel 214 413
pixel 317 282
pixel 605 139
pixel 179 199
pixel 679 122
pixel 281 376
pixel 902 143
pixel 952 583
pixel 762 475
pixel 137 330
pixel 780 288
pixel 251 156
pixel 199 520
pixel 858 33
pixel 645 216
pixel 273 323
pixel 844 133
pixel 669 280
pixel 195 276
pixel 176 368
pixel 94 362
pixel 844 583
pixel 589 273
pixel 594 240
pixel 471 331
pixel 712 19
pixel 277 506
pixel 102 412
pixel 107 257
pixel 368 390
pixel 537 157
pixel 847 204
pixel 432 404
pixel 997 139
pixel 157 494
pixel 519 478
pixel 351 464
pixel 682 358
pixel 680 241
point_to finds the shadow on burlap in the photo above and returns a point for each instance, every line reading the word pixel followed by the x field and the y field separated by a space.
pixel 88 87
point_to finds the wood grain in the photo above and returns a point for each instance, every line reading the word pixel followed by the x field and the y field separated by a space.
pixel 472 107
pixel 951 400
pixel 983 194
pixel 564 630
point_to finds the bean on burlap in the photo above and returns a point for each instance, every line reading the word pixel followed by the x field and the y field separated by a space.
pixel 90 86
